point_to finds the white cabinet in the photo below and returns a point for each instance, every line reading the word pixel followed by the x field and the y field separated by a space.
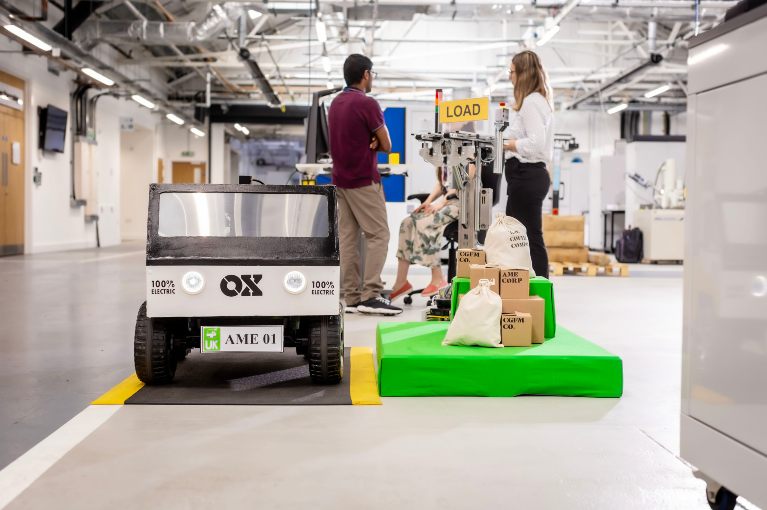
pixel 724 392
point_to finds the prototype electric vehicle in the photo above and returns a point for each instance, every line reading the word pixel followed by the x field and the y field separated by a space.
pixel 240 268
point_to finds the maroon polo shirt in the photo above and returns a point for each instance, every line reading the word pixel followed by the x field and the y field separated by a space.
pixel 352 120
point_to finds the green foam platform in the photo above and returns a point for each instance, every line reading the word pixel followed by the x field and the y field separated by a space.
pixel 413 363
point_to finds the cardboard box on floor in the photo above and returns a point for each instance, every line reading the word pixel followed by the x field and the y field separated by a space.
pixel 478 272
pixel 563 238
pixel 465 258
pixel 533 305
pixel 515 283
pixel 516 330
pixel 563 223
pixel 578 255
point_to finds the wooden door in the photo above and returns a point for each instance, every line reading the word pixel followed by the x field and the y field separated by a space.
pixel 187 172
pixel 11 174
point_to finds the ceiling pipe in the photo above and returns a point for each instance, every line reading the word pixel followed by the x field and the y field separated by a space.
pixel 654 60
pixel 84 59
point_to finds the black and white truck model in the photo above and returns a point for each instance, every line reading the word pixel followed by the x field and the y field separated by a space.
pixel 240 268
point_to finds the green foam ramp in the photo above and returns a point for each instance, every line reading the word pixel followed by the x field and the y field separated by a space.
pixel 413 363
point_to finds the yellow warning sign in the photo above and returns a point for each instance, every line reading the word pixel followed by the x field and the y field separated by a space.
pixel 464 110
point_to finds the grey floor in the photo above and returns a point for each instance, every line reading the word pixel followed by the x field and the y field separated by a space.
pixel 67 336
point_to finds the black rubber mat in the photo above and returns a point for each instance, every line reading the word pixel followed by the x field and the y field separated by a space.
pixel 246 379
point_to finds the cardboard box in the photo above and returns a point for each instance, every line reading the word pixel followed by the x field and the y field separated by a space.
pixel 567 223
pixel 516 330
pixel 533 305
pixel 577 255
pixel 563 239
pixel 479 272
pixel 465 258
pixel 515 283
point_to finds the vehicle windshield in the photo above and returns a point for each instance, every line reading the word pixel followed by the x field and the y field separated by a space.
pixel 243 215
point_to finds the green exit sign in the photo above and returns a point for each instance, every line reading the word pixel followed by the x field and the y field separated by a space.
pixel 187 154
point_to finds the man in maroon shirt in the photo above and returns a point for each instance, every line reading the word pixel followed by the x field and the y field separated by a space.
pixel 357 133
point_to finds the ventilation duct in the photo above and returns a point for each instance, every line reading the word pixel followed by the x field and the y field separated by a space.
pixel 161 32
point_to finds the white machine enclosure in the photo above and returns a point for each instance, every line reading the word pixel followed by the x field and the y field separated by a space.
pixel 262 291
pixel 724 382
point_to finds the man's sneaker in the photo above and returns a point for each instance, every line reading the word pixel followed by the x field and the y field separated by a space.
pixel 351 308
pixel 380 306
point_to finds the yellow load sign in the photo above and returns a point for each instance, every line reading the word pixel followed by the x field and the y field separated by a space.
pixel 464 110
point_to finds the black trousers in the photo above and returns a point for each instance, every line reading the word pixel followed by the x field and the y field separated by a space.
pixel 527 187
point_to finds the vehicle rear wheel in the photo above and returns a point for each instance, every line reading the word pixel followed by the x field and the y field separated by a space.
pixel 153 354
pixel 326 350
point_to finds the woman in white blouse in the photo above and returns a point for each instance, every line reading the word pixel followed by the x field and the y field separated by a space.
pixel 531 128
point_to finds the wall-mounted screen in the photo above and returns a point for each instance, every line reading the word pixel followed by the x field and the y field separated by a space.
pixel 53 129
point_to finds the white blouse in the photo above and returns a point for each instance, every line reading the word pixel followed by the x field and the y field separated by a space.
pixel 533 129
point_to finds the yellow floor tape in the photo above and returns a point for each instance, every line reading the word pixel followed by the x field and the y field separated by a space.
pixel 363 386
pixel 120 393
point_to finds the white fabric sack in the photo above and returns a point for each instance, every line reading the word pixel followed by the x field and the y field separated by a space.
pixel 506 244
pixel 477 320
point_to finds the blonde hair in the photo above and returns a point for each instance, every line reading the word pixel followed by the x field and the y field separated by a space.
pixel 530 78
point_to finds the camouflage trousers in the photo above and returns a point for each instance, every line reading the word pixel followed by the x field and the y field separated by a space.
pixel 420 235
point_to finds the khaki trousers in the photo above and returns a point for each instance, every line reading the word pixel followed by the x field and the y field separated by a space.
pixel 362 210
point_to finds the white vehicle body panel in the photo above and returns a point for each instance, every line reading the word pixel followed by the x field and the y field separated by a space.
pixel 167 298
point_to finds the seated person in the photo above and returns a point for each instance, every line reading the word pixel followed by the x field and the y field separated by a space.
pixel 420 239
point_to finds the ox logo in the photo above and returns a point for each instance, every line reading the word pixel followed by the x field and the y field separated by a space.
pixel 243 285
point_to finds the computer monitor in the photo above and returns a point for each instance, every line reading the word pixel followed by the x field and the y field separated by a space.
pixel 317 134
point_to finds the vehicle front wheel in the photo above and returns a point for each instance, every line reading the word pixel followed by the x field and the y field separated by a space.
pixel 326 350
pixel 153 354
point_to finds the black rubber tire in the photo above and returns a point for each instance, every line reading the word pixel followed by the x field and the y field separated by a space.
pixel 725 500
pixel 153 355
pixel 326 350
pixel 408 300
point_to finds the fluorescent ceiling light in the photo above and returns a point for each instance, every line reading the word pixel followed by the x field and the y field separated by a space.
pixel 3 97
pixel 98 76
pixel 290 6
pixel 547 35
pixel 254 14
pixel 197 132
pixel 238 127
pixel 326 63
pixel 245 131
pixel 518 7
pixel 322 31
pixel 31 39
pixel 660 90
pixel 706 54
pixel 20 101
pixel 619 108
pixel 143 101
pixel 175 118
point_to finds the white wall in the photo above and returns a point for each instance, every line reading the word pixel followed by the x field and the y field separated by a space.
pixel 50 221
pixel 177 139
pixel 218 168
pixel 136 167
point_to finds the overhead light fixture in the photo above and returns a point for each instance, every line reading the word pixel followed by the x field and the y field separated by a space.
pixel 143 101
pixel 197 132
pixel 175 119
pixel 547 35
pixel 258 75
pixel 98 76
pixel 254 14
pixel 518 7
pixel 326 63
pixel 322 31
pixel 238 127
pixel 706 54
pixel 245 131
pixel 619 108
pixel 656 92
pixel 26 36
pixel 20 101
pixel 290 6
pixel 4 97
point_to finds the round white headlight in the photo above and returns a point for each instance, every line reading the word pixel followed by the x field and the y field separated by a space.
pixel 295 282
pixel 193 282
